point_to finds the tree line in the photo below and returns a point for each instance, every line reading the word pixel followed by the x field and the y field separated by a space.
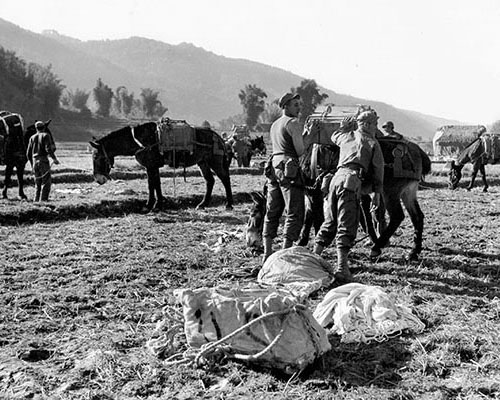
pixel 34 90
pixel 256 110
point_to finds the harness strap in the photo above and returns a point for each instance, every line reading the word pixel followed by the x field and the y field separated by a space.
pixel 135 139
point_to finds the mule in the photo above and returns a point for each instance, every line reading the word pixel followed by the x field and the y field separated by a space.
pixel 476 154
pixel 142 142
pixel 15 157
pixel 396 189
pixel 257 146
pixel 244 149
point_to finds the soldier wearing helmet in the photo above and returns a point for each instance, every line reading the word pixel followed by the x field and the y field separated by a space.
pixel 361 165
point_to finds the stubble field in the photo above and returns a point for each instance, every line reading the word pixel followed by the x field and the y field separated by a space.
pixel 84 279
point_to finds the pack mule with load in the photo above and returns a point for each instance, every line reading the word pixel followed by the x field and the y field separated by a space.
pixel 166 142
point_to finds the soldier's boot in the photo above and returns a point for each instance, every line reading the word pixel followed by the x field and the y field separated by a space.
pixel 268 248
pixel 318 249
pixel 287 243
pixel 343 274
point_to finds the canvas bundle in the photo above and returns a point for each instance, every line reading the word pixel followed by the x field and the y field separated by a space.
pixel 363 313
pixel 264 326
pixel 175 135
pixel 407 160
pixel 298 269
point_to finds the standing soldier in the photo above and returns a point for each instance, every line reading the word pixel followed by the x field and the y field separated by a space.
pixel 284 178
pixel 390 132
pixel 361 165
pixel 41 146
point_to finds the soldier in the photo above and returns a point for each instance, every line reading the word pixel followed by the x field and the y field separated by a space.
pixel 41 146
pixel 361 166
pixel 284 177
pixel 389 131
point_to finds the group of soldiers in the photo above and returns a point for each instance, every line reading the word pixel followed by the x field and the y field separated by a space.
pixel 360 172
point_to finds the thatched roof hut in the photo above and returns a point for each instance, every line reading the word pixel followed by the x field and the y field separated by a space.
pixel 449 140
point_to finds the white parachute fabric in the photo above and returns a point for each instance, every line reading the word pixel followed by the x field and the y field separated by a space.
pixel 298 269
pixel 267 326
pixel 363 313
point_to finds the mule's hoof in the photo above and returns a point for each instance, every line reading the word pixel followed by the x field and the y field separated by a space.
pixel 485 190
pixel 375 252
pixel 229 208
pixel 412 257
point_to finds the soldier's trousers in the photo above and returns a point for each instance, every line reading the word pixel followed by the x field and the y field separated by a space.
pixel 342 211
pixel 43 179
pixel 286 198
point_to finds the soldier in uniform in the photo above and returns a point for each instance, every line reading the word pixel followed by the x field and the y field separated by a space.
pixel 285 181
pixel 360 169
pixel 41 146
pixel 390 132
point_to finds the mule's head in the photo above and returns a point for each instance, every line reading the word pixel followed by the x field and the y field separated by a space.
pixel 455 174
pixel 102 163
pixel 259 145
pixel 256 221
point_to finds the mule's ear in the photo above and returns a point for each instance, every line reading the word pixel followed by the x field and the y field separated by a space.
pixel 48 122
pixel 94 144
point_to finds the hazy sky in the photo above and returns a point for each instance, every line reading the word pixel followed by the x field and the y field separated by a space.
pixel 440 57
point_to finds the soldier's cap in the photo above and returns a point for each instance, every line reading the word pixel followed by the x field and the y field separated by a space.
pixel 367 116
pixel 283 101
pixel 39 125
pixel 388 124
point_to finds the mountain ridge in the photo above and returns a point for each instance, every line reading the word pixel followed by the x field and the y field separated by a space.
pixel 194 83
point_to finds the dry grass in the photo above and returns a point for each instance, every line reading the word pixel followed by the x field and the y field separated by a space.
pixel 84 279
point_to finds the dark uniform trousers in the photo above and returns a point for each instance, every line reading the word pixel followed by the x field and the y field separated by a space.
pixel 284 194
pixel 342 210
pixel 43 179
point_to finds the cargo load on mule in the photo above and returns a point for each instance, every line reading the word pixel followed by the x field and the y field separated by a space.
pixel 11 131
pixel 178 140
pixel 329 117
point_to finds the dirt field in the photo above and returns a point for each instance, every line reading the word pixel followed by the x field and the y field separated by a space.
pixel 85 276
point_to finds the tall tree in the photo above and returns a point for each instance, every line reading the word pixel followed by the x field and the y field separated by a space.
pixel 123 101
pixel 310 96
pixel 79 100
pixel 252 100
pixel 151 106
pixel 103 96
pixel 271 113
pixel 47 90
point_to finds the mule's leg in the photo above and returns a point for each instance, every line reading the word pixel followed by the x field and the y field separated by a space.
pixel 153 176
pixel 396 216
pixel 365 219
pixel 475 170
pixel 222 171
pixel 309 219
pixel 7 181
pixel 20 181
pixel 482 169
pixel 210 181
pixel 409 197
